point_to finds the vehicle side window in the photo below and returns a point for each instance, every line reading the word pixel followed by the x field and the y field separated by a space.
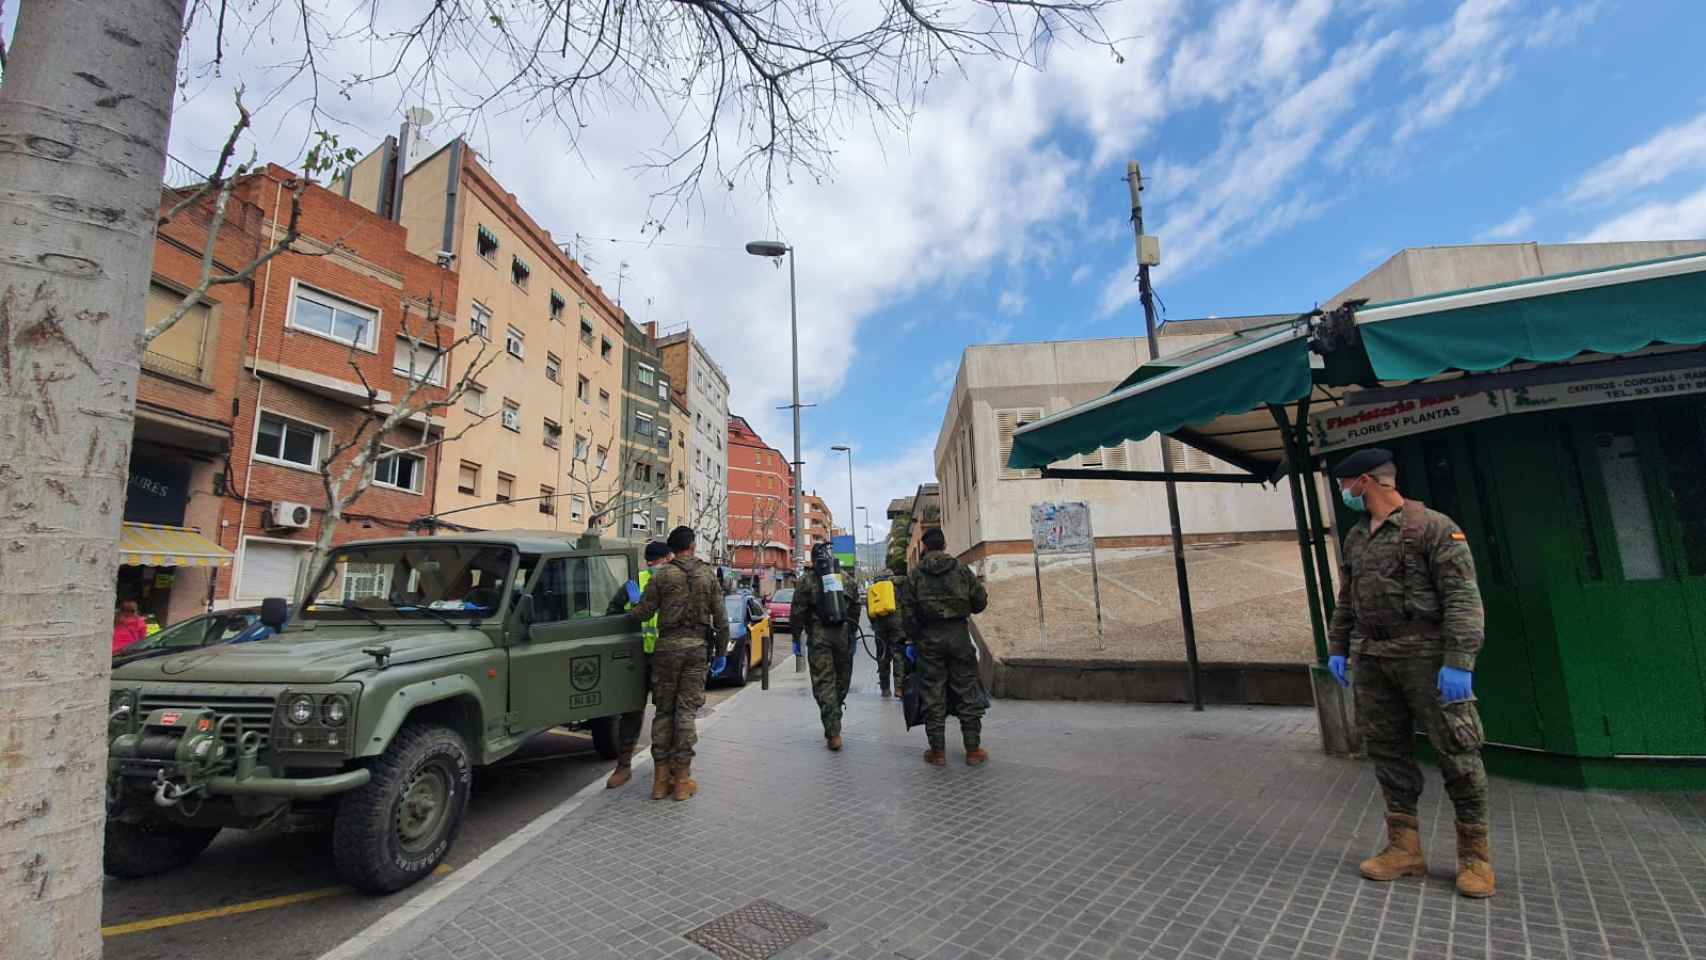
pixel 551 594
pixel 606 575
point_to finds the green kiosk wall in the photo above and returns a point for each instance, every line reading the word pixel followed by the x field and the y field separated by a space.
pixel 1588 528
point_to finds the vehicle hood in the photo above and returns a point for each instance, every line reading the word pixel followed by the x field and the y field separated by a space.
pixel 303 656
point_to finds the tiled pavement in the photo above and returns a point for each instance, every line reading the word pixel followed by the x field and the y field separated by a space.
pixel 1097 831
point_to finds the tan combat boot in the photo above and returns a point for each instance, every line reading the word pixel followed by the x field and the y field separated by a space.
pixel 936 758
pixel 834 743
pixel 1474 861
pixel 1403 854
pixel 662 776
pixel 977 757
pixel 685 786
pixel 624 771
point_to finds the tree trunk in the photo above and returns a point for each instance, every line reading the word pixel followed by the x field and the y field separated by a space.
pixel 84 112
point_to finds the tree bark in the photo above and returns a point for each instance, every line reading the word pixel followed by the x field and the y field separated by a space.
pixel 84 113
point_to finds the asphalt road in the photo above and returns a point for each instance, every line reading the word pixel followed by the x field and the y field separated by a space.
pixel 311 913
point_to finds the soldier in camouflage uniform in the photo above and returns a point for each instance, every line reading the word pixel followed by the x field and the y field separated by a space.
pixel 890 639
pixel 828 624
pixel 688 602
pixel 1409 621
pixel 940 595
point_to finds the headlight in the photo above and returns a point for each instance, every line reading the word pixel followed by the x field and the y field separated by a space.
pixel 334 710
pixel 300 709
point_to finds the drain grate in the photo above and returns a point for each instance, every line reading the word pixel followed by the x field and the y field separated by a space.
pixel 759 930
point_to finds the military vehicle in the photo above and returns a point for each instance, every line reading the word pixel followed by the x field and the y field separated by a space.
pixel 412 661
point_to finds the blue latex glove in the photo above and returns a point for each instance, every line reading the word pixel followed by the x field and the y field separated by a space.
pixel 911 654
pixel 1455 685
pixel 1336 667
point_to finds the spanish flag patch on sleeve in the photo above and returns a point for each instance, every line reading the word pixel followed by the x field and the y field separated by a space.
pixel 1459 535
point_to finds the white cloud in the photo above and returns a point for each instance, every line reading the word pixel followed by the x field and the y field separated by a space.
pixel 1677 149
pixel 1681 219
pixel 1516 228
pixel 1081 274
pixel 1561 24
pixel 1467 59
pixel 1011 302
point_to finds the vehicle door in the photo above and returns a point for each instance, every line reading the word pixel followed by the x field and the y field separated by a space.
pixel 581 657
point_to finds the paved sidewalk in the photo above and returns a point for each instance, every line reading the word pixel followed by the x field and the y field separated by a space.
pixel 1098 830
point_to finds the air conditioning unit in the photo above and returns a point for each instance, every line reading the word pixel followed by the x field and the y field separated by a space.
pixel 285 515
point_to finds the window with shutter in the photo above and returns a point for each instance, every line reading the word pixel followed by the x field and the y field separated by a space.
pixel 1006 422
pixel 1114 458
pixel 1190 459
pixel 269 569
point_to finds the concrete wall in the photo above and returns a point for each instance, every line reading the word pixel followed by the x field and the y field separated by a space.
pixel 1421 271
pixel 980 505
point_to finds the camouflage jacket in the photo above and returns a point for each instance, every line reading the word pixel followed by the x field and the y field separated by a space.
pixel 939 589
pixel 1407 589
pixel 684 595
pixel 806 614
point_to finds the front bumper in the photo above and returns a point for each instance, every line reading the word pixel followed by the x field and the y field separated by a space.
pixel 293 788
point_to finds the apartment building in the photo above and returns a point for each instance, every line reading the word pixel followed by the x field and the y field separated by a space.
pixel 647 437
pixel 985 507
pixel 680 427
pixel 761 509
pixel 688 362
pixel 266 382
pixel 819 524
pixel 548 454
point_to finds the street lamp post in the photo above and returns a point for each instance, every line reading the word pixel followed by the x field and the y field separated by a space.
pixel 852 511
pixel 867 512
pixel 773 250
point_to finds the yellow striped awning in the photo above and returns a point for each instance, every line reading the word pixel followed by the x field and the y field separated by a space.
pixel 154 545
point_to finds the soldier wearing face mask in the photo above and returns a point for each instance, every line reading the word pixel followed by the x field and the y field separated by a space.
pixel 1408 625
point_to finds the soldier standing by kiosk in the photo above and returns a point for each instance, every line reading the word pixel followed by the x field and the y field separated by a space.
pixel 825 612
pixel 939 597
pixel 1409 601
pixel 688 603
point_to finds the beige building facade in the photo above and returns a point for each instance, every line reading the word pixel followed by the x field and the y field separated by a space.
pixel 538 444
pixel 985 507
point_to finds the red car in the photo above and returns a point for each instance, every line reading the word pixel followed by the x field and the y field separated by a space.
pixel 780 606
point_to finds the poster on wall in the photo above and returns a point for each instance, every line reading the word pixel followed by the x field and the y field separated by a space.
pixel 1060 527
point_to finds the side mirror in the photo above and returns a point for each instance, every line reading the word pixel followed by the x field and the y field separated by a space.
pixel 274 612
pixel 524 610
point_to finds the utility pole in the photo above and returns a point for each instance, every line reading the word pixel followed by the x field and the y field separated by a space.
pixel 1134 180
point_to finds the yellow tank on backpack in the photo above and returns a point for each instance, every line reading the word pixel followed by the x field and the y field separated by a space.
pixel 879 599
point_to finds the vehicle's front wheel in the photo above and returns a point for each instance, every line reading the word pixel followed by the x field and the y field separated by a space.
pixel 396 828
pixel 149 847
pixel 603 732
pixel 743 657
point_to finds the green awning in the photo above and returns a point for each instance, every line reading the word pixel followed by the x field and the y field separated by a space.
pixel 1229 376
pixel 1614 310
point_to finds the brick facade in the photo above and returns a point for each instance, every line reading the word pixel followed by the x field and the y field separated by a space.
pixel 761 506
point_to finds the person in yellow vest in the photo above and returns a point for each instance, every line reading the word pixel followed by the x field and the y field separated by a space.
pixel 628 730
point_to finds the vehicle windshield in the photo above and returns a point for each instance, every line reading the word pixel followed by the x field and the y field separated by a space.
pixel 783 596
pixel 427 580
pixel 204 630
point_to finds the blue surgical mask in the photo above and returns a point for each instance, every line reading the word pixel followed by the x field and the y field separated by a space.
pixel 1352 500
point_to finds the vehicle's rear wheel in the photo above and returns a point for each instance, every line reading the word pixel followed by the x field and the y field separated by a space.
pixel 743 658
pixel 150 847
pixel 396 828
pixel 603 732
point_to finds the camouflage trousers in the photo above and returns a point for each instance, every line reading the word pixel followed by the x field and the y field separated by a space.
pixel 678 691
pixel 890 643
pixel 628 728
pixel 829 653
pixel 947 659
pixel 1394 695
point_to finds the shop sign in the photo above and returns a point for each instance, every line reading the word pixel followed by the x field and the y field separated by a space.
pixel 158 491
pixel 1355 426
pixel 1350 426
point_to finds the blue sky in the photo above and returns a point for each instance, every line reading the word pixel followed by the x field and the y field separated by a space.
pixel 1290 146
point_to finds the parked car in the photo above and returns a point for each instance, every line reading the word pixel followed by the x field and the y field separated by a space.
pixel 371 708
pixel 781 607
pixel 236 625
pixel 749 627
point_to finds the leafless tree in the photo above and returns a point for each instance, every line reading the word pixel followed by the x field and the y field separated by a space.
pixel 612 492
pixel 390 429
pixel 763 527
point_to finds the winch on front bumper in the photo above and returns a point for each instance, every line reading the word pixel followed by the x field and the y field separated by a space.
pixel 184 755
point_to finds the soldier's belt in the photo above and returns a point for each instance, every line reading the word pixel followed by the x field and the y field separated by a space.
pixel 1394 631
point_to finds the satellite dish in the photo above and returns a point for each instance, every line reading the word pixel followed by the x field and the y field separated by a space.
pixel 418 116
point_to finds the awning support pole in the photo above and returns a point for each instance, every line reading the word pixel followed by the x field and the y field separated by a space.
pixel 1293 461
pixel 1317 529
pixel 1134 180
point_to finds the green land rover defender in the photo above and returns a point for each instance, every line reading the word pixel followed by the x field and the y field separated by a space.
pixel 411 662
